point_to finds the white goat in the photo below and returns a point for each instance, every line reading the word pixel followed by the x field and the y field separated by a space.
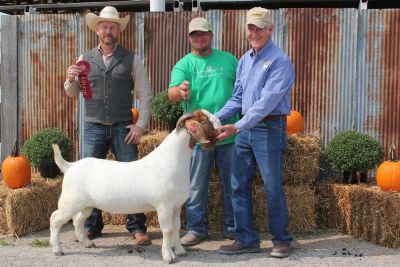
pixel 158 182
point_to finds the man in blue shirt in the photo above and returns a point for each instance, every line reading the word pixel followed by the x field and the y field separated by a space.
pixel 264 79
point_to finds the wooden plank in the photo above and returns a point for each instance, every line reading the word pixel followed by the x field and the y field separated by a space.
pixel 9 84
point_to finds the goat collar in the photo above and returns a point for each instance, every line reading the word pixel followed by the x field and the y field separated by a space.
pixel 214 120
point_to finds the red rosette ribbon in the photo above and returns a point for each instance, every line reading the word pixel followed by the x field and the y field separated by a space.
pixel 83 79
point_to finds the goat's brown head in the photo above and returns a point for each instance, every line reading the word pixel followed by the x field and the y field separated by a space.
pixel 203 127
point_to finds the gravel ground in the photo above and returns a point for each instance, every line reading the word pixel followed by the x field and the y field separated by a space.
pixel 115 248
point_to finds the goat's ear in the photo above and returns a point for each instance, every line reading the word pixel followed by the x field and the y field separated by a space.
pixel 183 118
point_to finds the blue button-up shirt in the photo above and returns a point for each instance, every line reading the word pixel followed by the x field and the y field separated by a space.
pixel 262 87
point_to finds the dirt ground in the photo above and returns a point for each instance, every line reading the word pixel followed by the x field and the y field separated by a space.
pixel 115 248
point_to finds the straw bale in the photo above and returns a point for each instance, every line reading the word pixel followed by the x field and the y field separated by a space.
pixel 362 211
pixel 150 141
pixel 28 209
pixel 301 201
pixel 121 219
pixel 302 159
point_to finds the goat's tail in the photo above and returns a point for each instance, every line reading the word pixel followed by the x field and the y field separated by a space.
pixel 61 163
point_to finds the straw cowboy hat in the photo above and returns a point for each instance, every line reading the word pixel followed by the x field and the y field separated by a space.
pixel 108 13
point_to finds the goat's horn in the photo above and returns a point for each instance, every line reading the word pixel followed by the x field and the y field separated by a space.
pixel 214 120
pixel 183 118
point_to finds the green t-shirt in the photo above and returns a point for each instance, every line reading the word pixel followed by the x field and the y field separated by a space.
pixel 211 81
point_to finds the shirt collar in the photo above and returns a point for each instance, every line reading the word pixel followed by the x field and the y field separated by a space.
pixel 263 50
pixel 101 50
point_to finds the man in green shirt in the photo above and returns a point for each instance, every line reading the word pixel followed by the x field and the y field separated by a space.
pixel 204 79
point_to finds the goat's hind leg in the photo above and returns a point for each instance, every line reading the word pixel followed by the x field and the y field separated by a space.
pixel 166 220
pixel 57 220
pixel 79 225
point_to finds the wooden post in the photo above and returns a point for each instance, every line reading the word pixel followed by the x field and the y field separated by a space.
pixel 9 84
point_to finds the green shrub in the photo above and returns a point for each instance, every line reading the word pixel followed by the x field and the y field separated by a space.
pixel 165 110
pixel 352 151
pixel 38 148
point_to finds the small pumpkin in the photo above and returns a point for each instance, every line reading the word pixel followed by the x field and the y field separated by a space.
pixel 388 174
pixel 135 115
pixel 295 123
pixel 16 170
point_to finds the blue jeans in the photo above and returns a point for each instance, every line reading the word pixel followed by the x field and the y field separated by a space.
pixel 265 145
pixel 98 139
pixel 202 162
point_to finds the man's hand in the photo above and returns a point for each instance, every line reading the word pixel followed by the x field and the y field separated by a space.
pixel 72 72
pixel 135 132
pixel 227 131
pixel 184 90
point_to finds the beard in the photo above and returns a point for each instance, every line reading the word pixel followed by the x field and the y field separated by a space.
pixel 109 40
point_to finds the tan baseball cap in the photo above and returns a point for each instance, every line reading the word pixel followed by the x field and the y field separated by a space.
pixel 259 16
pixel 199 24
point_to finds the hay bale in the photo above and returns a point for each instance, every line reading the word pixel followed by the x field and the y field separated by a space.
pixel 362 211
pixel 301 201
pixel 150 141
pixel 302 160
pixel 28 209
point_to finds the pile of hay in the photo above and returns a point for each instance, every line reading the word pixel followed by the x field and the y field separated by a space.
pixel 150 141
pixel 302 160
pixel 28 209
pixel 360 210
pixel 301 203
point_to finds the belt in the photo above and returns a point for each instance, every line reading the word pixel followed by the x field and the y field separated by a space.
pixel 274 118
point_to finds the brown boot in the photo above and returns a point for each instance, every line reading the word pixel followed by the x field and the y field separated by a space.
pixel 280 250
pixel 192 239
pixel 141 239
pixel 237 248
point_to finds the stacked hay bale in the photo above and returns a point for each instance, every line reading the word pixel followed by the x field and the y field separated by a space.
pixel 28 209
pixel 363 211
pixel 301 172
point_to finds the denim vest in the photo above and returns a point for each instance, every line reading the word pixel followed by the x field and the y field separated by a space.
pixel 112 87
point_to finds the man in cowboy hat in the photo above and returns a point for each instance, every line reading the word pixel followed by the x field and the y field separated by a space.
pixel 115 73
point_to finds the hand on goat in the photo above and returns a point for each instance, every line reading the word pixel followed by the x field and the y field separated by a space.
pixel 227 131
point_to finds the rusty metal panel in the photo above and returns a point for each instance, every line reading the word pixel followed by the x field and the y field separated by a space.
pixel 165 40
pixel 46 45
pixel 380 83
pixel 346 63
pixel 322 46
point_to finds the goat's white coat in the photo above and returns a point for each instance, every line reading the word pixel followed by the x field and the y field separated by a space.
pixel 158 182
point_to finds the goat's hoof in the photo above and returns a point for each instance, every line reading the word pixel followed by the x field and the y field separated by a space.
pixel 169 261
pixel 89 245
pixel 179 251
pixel 58 253
pixel 170 258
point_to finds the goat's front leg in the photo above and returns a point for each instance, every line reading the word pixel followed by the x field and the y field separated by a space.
pixel 179 250
pixel 166 220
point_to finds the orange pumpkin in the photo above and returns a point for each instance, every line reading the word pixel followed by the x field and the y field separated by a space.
pixel 135 115
pixel 388 174
pixel 295 123
pixel 16 170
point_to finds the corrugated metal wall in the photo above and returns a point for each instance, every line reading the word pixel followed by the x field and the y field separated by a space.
pixel 346 62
